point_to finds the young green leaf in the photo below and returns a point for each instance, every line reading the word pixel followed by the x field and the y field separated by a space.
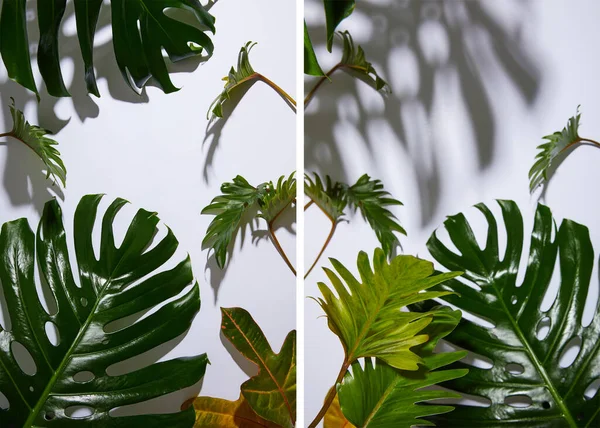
pixel 327 195
pixel 277 198
pixel 550 151
pixel 368 196
pixel 219 413
pixel 35 138
pixel 238 197
pixel 354 61
pixel 237 77
pixel 527 358
pixel 335 12
pixel 118 284
pixel 367 315
pixel 379 396
pixel 272 392
pixel 311 63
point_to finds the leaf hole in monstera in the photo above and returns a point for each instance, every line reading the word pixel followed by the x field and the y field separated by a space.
pixel 515 369
pixel 84 376
pixel 518 401
pixel 79 412
pixel 570 352
pixel 5 322
pixel 23 358
pixel 543 328
pixel 4 403
pixel 84 302
pixel 49 416
pixel 589 393
pixel 513 300
pixel 546 405
pixel 52 333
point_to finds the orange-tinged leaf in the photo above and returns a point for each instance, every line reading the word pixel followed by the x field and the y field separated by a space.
pixel 219 413
pixel 334 418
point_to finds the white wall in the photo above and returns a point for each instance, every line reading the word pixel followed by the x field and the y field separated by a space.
pixel 559 40
pixel 151 151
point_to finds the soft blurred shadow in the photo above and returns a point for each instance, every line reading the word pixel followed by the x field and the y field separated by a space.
pixel 418 45
pixel 243 363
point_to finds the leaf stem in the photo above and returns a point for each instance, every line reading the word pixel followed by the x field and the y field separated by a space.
pixel 277 89
pixel 331 232
pixel 277 245
pixel 581 140
pixel 327 75
pixel 330 396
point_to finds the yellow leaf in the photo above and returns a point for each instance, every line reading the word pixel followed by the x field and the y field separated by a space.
pixel 334 418
pixel 219 413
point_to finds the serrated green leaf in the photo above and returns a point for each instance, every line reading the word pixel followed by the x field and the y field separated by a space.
pixel 219 413
pixel 366 315
pixel 556 144
pixel 120 283
pixel 354 61
pixel 335 12
pixel 311 63
pixel 379 396
pixel 236 77
pixel 272 392
pixel 368 196
pixel 35 138
pixel 238 197
pixel 514 309
pixel 328 196
pixel 277 198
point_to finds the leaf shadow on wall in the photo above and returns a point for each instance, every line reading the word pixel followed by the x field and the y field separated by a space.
pixel 419 46
pixel 24 182
pixel 252 227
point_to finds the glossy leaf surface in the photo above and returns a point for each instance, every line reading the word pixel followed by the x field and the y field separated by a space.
pixel 380 396
pixel 120 283
pixel 335 12
pixel 36 139
pixel 219 413
pixel 311 63
pixel 272 392
pixel 527 343
pixel 366 314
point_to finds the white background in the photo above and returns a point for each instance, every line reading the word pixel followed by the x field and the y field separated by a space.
pixel 560 40
pixel 151 150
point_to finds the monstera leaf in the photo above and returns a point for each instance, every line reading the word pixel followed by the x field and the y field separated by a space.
pixel 527 343
pixel 272 392
pixel 556 145
pixel 311 63
pixel 140 29
pixel 335 12
pixel 71 371
pixel 381 396
pixel 218 413
pixel 236 78
pixel 35 138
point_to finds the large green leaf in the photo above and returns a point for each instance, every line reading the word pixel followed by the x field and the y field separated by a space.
pixel 272 392
pixel 311 63
pixel 119 284
pixel 35 138
pixel 524 362
pixel 381 396
pixel 335 12
pixel 141 30
pixel 366 315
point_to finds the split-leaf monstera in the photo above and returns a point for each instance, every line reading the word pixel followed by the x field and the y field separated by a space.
pixel 120 283
pixel 36 139
pixel 527 343
pixel 367 314
pixel 140 28
pixel 267 399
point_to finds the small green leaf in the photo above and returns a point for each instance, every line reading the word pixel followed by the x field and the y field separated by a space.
pixel 272 392
pixel 354 61
pixel 277 198
pixel 379 396
pixel 238 197
pixel 367 316
pixel 311 63
pixel 328 196
pixel 335 12
pixel 368 196
pixel 549 151
pixel 235 78
pixel 35 138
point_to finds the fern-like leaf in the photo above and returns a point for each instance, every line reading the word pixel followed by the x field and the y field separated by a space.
pixel 368 196
pixel 327 195
pixel 555 144
pixel 235 78
pixel 277 197
pixel 35 138
pixel 353 60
